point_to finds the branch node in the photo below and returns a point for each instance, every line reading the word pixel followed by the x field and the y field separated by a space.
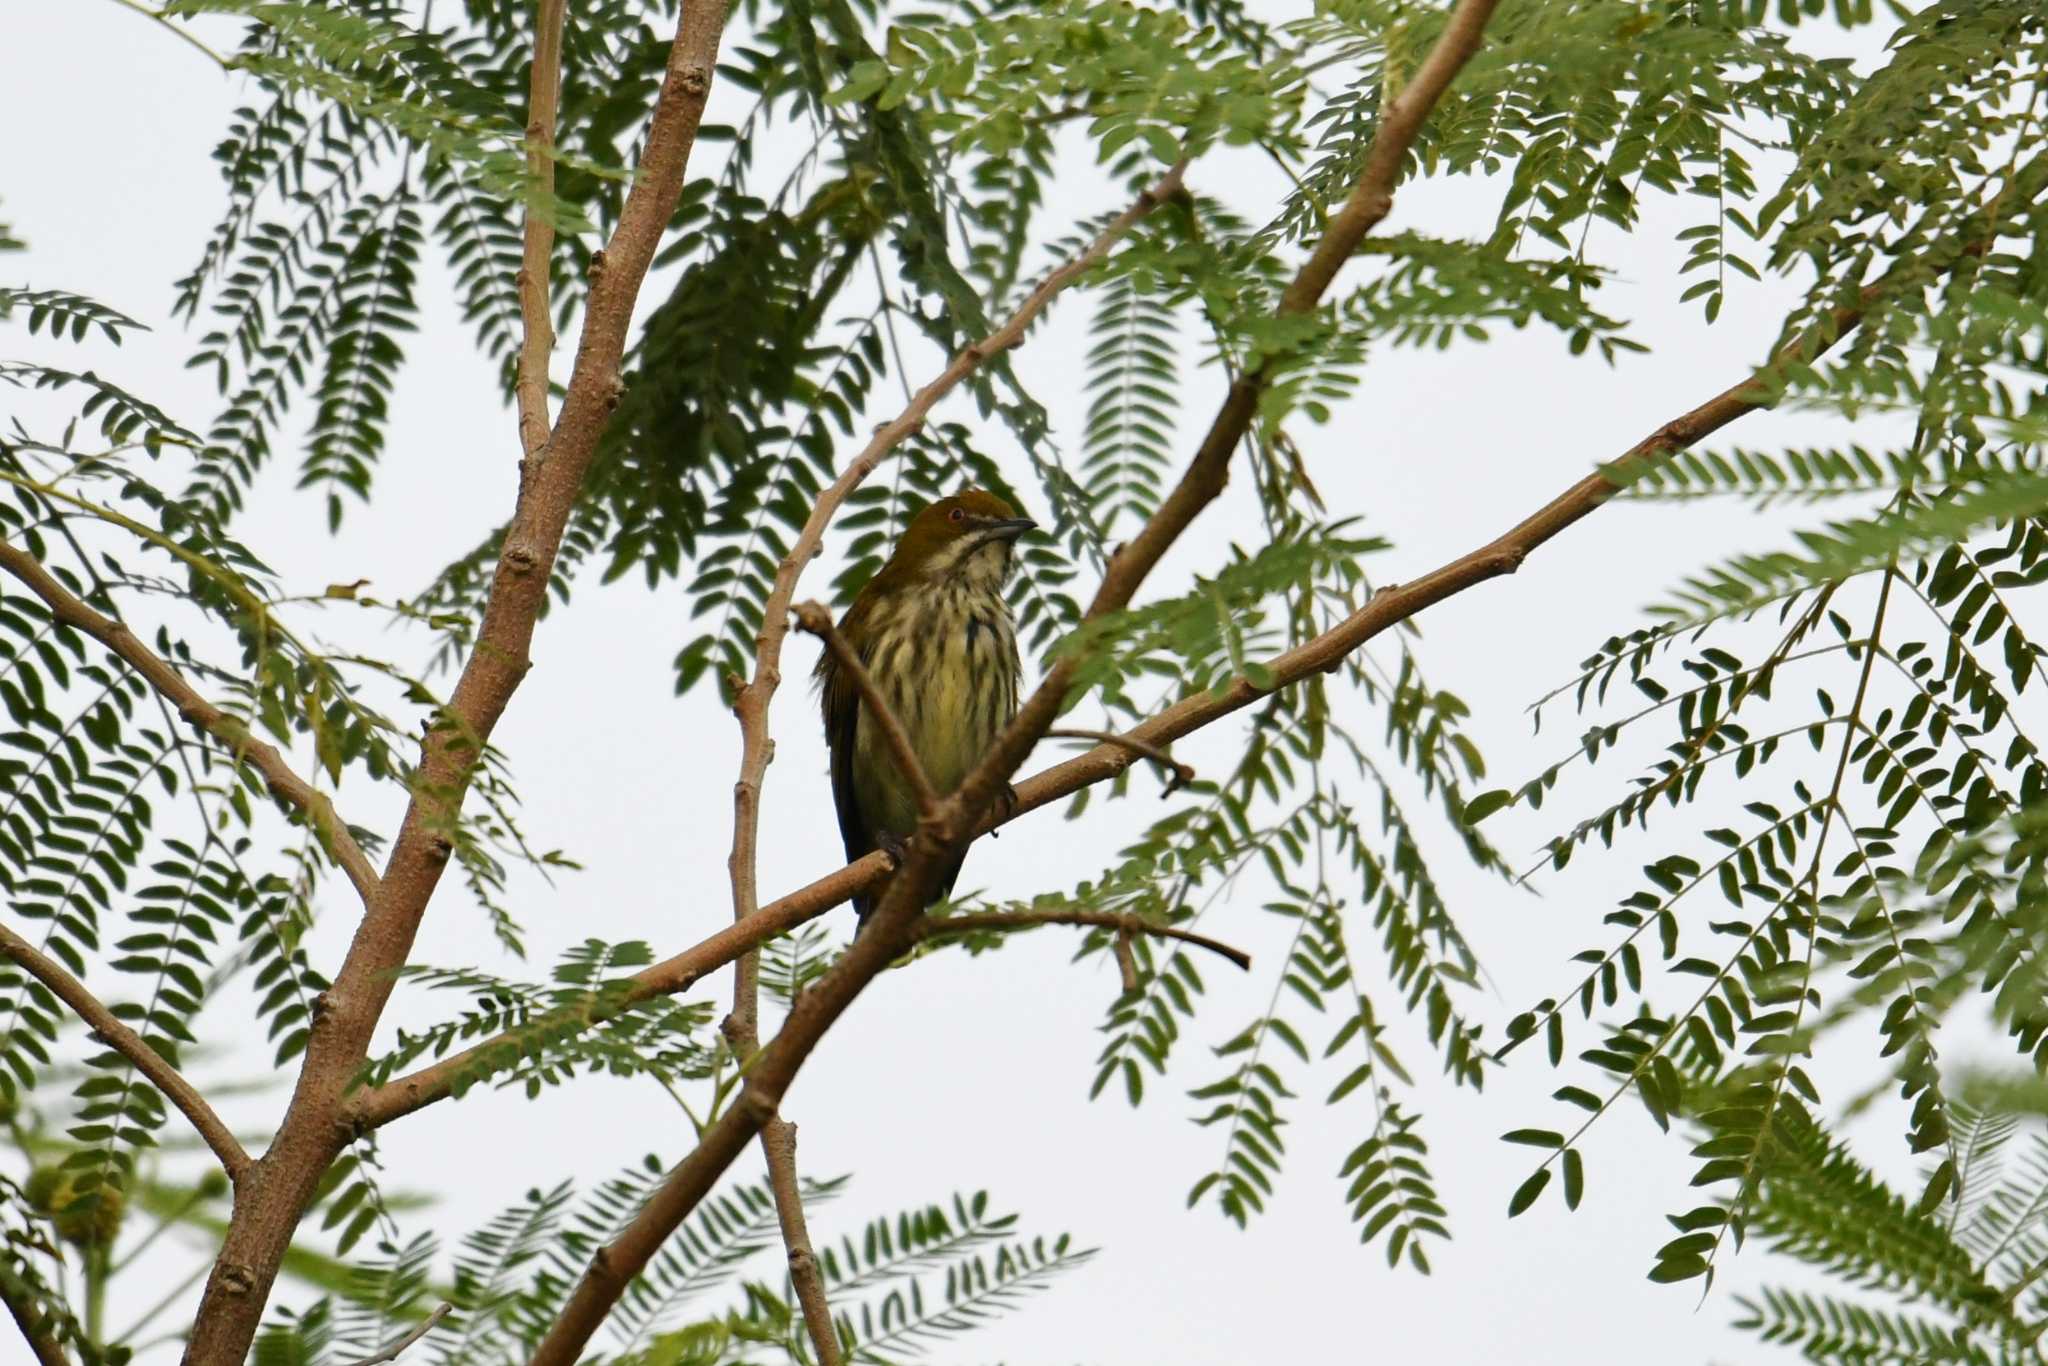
pixel 695 81
pixel 757 1105
pixel 441 848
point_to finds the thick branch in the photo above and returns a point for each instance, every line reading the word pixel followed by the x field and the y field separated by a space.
pixel 537 251
pixel 813 618
pixel 287 786
pixel 1124 924
pixel 108 1029
pixel 346 1015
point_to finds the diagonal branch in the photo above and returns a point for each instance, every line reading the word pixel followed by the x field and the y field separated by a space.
pixel 814 619
pixel 377 1106
pixel 345 1018
pixel 1123 923
pixel 1371 199
pixel 1200 484
pixel 892 926
pixel 284 784
pixel 108 1029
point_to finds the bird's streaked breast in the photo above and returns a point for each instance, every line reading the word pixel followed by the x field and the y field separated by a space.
pixel 945 656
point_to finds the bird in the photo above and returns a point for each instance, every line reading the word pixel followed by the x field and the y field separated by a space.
pixel 933 631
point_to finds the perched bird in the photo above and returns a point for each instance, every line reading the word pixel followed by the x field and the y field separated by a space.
pixel 932 630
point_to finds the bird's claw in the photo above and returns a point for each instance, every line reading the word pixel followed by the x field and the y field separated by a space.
pixel 1005 806
pixel 894 845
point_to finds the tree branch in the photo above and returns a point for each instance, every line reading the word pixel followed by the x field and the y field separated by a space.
pixel 108 1029
pixel 233 736
pixel 887 935
pixel 315 1125
pixel 939 927
pixel 813 618
pixel 1370 201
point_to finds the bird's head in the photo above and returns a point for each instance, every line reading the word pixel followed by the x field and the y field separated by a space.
pixel 968 535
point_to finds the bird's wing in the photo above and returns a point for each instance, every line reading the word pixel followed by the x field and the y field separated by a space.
pixel 841 702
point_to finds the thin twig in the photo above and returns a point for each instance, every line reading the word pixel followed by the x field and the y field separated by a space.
pixel 1178 774
pixel 1126 961
pixel 284 784
pixel 34 1330
pixel 538 247
pixel 390 1351
pixel 751 703
pixel 108 1029
pixel 224 63
pixel 778 1145
pixel 742 1026
pixel 1122 922
pixel 814 619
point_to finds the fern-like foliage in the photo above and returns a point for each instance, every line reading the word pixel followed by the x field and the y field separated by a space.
pixel 543 1033
pixel 1954 1253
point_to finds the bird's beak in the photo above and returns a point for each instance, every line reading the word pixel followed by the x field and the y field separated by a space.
pixel 1009 528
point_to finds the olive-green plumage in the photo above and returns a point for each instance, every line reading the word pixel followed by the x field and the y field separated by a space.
pixel 933 631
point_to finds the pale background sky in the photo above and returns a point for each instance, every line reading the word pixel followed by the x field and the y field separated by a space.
pixel 958 1074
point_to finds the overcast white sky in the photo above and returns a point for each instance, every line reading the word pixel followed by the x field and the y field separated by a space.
pixel 958 1073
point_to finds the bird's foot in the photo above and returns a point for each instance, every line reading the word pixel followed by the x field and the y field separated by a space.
pixel 894 845
pixel 1005 806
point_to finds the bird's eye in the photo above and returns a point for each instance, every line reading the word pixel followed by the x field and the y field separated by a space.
pixel 957 516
